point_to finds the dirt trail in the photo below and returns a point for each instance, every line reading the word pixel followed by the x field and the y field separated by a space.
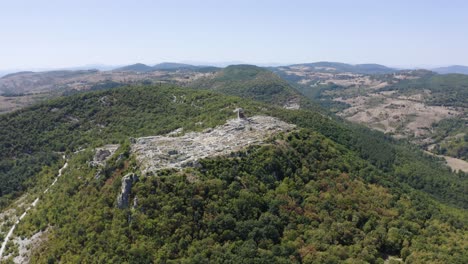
pixel 33 204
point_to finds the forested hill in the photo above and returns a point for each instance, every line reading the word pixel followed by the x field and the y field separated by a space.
pixel 253 82
pixel 165 66
pixel 326 192
pixel 32 136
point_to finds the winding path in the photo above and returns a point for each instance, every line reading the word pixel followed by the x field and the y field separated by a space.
pixel 33 204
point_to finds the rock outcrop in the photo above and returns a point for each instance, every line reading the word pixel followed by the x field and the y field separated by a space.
pixel 162 152
pixel 123 198
pixel 103 154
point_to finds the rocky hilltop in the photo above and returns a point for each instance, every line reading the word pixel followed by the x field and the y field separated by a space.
pixel 169 151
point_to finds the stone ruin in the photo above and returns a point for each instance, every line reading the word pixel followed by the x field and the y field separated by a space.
pixel 240 113
pixel 177 152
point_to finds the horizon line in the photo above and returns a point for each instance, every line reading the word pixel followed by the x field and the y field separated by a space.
pixel 222 64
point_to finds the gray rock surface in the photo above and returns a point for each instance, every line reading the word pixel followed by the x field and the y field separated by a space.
pixel 124 197
pixel 135 202
pixel 25 246
pixel 103 154
pixel 162 152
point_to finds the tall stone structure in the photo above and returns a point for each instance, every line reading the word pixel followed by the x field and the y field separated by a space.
pixel 240 113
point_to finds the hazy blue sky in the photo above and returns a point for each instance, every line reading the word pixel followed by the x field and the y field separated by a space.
pixel 44 34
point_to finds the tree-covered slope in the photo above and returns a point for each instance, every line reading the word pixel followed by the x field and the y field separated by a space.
pixel 32 137
pixel 327 192
pixel 301 198
pixel 252 82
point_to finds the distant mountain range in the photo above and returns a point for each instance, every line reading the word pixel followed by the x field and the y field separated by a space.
pixel 326 66
pixel 165 66
pixel 452 69
pixel 323 66
pixel 319 66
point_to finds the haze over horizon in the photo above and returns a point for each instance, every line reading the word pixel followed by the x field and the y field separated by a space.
pixel 58 34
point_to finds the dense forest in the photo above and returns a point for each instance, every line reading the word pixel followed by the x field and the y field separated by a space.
pixel 328 192
pixel 35 135
pixel 256 83
pixel 451 138
pixel 32 137
pixel 299 199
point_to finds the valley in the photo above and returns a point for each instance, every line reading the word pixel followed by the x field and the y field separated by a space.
pixel 26 88
pixel 408 105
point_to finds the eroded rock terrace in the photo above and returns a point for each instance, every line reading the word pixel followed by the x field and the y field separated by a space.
pixel 162 152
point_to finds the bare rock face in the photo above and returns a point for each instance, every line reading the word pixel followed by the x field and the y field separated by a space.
pixel 293 104
pixel 124 197
pixel 177 152
pixel 103 154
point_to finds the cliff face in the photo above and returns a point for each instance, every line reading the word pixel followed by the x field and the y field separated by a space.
pixel 124 197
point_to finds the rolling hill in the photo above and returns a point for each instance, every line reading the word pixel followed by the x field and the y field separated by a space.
pixel 175 66
pixel 321 191
pixel 18 90
pixel 452 69
pixel 343 67
pixel 421 106
pixel 165 66
pixel 137 67
pixel 252 82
